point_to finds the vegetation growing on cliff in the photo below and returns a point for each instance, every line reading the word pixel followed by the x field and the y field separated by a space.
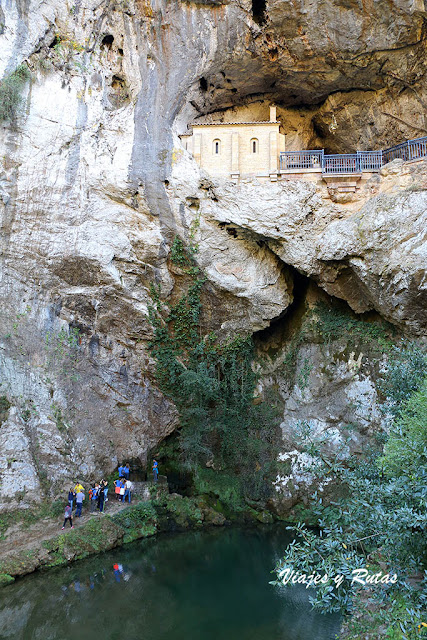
pixel 223 432
pixel 4 408
pixel 381 521
pixel 10 92
pixel 324 324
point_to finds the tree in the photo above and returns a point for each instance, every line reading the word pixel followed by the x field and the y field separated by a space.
pixel 380 522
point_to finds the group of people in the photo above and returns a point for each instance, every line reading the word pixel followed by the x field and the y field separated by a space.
pixel 77 494
pixel 123 485
pixel 97 498
pixel 99 491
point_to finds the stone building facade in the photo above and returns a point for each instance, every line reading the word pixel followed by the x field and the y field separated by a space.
pixel 237 149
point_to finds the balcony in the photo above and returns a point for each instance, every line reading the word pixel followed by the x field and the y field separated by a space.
pixel 350 163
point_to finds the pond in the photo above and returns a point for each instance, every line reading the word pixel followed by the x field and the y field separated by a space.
pixel 204 585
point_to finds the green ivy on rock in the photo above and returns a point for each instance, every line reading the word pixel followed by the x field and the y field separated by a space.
pixel 212 383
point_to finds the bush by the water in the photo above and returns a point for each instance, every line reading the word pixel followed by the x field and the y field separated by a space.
pixel 138 521
pixel 380 523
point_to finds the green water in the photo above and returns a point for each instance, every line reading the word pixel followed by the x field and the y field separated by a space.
pixel 207 585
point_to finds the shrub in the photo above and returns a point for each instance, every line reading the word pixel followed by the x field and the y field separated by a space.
pixel 138 521
pixel 5 579
pixel 224 486
pixel 382 515
pixel 212 383
pixel 405 452
pixel 4 408
pixel 406 369
pixel 10 92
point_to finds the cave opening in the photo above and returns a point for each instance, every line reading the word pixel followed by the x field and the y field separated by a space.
pixel 259 8
pixel 55 42
pixel 167 453
pixel 285 324
pixel 117 82
pixel 107 41
pixel 139 469
pixel 306 296
pixel 203 84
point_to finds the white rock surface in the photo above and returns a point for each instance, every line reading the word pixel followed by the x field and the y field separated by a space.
pixel 94 186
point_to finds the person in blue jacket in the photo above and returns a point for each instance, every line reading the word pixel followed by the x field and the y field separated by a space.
pixel 93 497
pixel 117 485
pixel 71 497
pixel 155 470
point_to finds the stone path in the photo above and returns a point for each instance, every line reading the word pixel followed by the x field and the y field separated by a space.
pixel 21 537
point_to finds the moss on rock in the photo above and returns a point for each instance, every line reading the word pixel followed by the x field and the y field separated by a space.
pixel 138 521
pixel 92 537
pixel 19 563
pixel 5 579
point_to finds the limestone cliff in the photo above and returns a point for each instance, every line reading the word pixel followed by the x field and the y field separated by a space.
pixel 94 186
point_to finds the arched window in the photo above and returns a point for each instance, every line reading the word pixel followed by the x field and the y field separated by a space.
pixel 216 147
pixel 254 145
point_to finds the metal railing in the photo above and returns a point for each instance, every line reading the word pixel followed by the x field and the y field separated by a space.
pixel 341 163
pixel 291 160
pixel 370 160
pixel 351 163
pixel 409 150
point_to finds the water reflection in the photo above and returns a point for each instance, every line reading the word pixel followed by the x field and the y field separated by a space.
pixel 203 585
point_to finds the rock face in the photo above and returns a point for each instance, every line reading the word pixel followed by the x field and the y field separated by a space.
pixel 328 385
pixel 373 256
pixel 94 186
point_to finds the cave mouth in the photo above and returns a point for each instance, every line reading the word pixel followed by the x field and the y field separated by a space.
pixel 167 453
pixel 307 295
pixel 55 42
pixel 283 326
pixel 107 41
pixel 259 8
pixel 352 101
pixel 138 469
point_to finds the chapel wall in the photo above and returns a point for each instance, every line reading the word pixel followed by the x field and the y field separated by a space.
pixel 235 148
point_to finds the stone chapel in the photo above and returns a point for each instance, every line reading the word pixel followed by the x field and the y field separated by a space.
pixel 237 149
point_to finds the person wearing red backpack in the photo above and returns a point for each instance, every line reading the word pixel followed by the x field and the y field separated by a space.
pixel 117 488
